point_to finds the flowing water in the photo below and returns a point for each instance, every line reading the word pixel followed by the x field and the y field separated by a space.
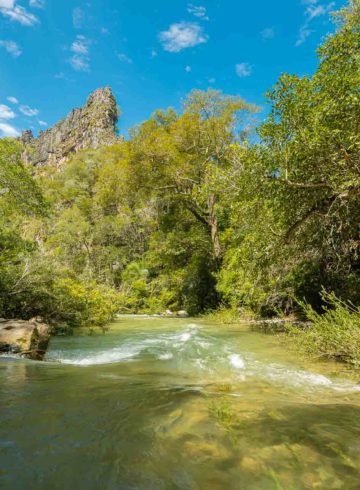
pixel 176 404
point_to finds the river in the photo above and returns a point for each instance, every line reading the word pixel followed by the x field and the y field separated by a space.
pixel 157 404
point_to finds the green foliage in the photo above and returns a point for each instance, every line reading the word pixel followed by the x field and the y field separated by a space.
pixel 18 190
pixel 334 334
pixel 84 303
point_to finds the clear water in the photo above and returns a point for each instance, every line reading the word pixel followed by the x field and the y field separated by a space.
pixel 177 404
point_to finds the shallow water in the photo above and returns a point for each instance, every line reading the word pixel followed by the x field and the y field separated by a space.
pixel 177 404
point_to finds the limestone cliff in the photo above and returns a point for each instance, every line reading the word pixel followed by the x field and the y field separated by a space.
pixel 91 126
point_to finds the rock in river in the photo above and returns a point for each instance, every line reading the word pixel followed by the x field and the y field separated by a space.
pixel 28 338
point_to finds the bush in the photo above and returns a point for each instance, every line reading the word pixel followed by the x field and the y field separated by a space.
pixel 334 334
pixel 87 303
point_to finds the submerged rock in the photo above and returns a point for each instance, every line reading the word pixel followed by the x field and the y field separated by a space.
pixel 27 338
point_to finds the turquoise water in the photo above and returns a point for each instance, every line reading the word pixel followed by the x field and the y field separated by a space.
pixel 177 404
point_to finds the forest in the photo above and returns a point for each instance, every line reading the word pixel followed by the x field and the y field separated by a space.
pixel 216 208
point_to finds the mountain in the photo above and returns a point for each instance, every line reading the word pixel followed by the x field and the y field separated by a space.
pixel 90 126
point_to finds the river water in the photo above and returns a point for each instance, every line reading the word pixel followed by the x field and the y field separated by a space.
pixel 177 404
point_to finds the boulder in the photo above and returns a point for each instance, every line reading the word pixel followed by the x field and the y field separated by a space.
pixel 182 314
pixel 27 338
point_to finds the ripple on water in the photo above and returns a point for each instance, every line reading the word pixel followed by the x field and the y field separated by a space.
pixel 197 352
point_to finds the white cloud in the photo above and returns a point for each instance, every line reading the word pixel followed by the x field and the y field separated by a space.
pixel 43 123
pixel 243 70
pixel 124 58
pixel 78 18
pixel 38 4
pixel 312 11
pixel 181 36
pixel 304 33
pixel 28 111
pixel 18 14
pixel 8 130
pixel 188 69
pixel 154 53
pixel 6 112
pixel 12 99
pixel 80 45
pixel 198 11
pixel 11 47
pixel 80 61
pixel 7 4
pixel 268 33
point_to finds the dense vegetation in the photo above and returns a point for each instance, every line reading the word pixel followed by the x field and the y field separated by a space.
pixel 195 211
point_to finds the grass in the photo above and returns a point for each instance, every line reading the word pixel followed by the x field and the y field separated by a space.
pixel 229 316
pixel 334 334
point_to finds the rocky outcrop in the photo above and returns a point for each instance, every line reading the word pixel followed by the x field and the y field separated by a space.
pixel 27 338
pixel 91 126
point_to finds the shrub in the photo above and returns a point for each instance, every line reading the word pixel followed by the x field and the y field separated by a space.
pixel 334 334
pixel 79 303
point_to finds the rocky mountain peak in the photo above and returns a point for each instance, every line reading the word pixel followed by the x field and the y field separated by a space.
pixel 90 126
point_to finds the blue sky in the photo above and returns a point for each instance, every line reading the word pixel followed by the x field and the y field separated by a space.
pixel 53 53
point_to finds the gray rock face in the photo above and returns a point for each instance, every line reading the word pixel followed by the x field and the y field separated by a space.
pixel 28 338
pixel 91 126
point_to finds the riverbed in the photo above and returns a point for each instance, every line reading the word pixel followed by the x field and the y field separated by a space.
pixel 161 403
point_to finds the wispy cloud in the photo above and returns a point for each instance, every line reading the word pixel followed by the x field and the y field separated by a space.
pixel 312 11
pixel 125 59
pixel 16 13
pixel 6 130
pixel 38 4
pixel 78 18
pixel 28 111
pixel 80 61
pixel 188 69
pixel 268 33
pixel 6 112
pixel 198 11
pixel 12 99
pixel 243 70
pixel 11 47
pixel 42 123
pixel 182 35
pixel 7 4
pixel 80 45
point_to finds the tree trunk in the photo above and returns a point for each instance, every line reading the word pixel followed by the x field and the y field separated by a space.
pixel 214 229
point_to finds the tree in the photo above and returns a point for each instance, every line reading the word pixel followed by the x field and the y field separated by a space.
pixel 183 152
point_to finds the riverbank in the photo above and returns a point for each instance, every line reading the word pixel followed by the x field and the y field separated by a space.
pixel 332 335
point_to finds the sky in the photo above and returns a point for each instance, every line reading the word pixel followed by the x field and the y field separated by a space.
pixel 152 53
